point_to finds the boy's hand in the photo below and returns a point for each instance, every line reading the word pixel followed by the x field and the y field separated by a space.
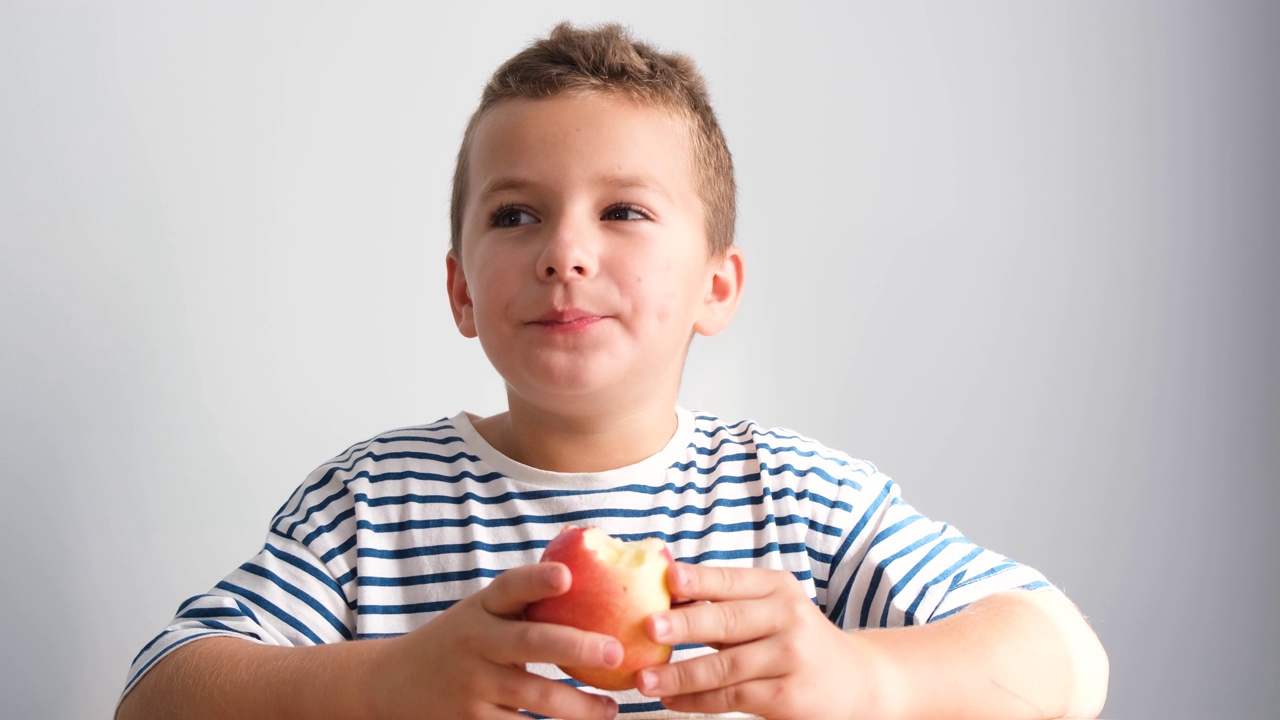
pixel 469 662
pixel 779 656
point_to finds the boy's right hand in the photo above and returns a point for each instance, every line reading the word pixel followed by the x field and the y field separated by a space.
pixel 469 662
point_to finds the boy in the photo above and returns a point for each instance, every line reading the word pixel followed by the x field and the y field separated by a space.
pixel 592 231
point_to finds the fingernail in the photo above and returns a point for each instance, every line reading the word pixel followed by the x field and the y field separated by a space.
pixel 612 653
pixel 646 681
pixel 661 627
pixel 558 578
pixel 610 707
pixel 680 576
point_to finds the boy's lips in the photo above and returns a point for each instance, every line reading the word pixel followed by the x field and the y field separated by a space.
pixel 567 319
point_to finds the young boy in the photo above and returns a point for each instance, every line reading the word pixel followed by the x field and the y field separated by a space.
pixel 592 237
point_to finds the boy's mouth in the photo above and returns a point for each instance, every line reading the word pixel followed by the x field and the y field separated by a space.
pixel 567 319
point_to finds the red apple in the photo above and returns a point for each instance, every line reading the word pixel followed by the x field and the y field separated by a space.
pixel 616 585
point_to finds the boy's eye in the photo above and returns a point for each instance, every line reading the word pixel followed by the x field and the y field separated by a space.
pixel 512 217
pixel 623 213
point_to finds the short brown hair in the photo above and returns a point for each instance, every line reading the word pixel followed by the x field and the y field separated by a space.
pixel 606 59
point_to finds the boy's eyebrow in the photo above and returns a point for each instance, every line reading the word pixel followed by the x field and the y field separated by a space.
pixel 499 184
pixel 639 182
pixel 620 182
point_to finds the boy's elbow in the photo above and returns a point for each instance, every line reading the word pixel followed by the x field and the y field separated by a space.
pixel 1088 666
pixel 1092 673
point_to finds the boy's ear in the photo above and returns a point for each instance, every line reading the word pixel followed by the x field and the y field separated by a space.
pixel 459 296
pixel 725 290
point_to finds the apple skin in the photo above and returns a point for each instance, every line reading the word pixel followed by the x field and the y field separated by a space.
pixel 609 597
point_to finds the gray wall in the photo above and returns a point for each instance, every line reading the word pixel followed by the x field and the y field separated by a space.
pixel 1020 255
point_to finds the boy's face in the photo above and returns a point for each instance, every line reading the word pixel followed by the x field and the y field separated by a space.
pixel 585 268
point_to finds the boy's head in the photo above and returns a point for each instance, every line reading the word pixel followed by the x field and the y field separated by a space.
pixel 604 60
pixel 592 224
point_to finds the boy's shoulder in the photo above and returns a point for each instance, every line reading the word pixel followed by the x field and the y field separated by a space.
pixel 775 447
pixel 390 455
pixel 442 436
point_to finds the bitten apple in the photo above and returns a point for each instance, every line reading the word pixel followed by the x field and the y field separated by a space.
pixel 616 585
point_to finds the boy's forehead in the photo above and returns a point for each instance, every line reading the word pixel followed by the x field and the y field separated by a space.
pixel 617 141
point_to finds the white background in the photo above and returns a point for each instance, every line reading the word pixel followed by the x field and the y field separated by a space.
pixel 1022 256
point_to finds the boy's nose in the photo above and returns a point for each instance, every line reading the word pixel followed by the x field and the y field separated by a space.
pixel 567 255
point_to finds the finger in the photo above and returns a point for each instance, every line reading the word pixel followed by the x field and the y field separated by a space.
pixel 709 582
pixel 709 672
pixel 760 697
pixel 515 642
pixel 520 690
pixel 512 590
pixel 710 623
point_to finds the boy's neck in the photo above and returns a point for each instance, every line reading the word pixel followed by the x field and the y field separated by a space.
pixel 586 443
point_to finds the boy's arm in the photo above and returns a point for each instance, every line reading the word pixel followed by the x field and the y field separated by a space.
pixel 1018 654
pixel 223 677
pixel 1023 654
pixel 467 662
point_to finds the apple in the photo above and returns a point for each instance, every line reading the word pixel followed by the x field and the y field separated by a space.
pixel 616 585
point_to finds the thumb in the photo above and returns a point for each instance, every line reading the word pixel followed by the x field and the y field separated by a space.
pixel 513 590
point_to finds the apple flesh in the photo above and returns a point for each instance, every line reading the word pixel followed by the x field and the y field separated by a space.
pixel 616 585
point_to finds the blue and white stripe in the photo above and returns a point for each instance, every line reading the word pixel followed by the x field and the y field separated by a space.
pixel 396 529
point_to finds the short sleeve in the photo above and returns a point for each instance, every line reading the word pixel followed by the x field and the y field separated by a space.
pixel 895 567
pixel 290 594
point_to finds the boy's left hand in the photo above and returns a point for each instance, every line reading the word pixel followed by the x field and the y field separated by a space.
pixel 779 656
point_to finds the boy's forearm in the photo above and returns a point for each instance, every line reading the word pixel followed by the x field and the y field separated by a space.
pixel 225 677
pixel 1014 655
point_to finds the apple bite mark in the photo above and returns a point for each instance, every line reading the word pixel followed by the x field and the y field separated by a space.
pixel 616 585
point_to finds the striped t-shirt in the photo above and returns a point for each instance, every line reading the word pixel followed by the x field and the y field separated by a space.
pixel 390 533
